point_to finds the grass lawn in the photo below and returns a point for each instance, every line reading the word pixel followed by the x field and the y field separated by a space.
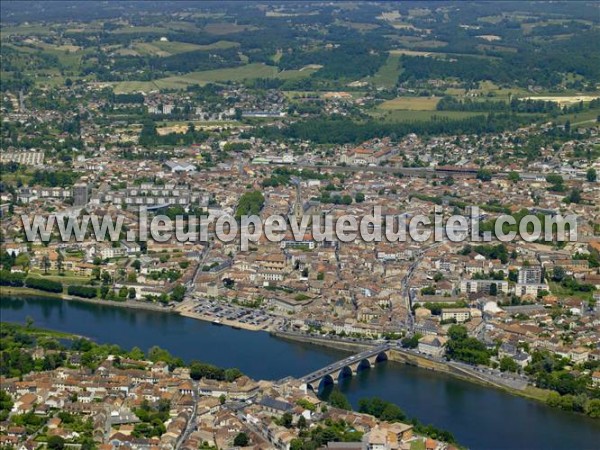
pixel 417 445
pixel 537 393
pixel 411 103
pixel 559 290
pixel 387 75
pixel 67 278
pixel 7 291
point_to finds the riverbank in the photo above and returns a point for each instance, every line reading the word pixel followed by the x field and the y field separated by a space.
pixel 421 361
pixel 187 309
pixel 426 394
pixel 131 304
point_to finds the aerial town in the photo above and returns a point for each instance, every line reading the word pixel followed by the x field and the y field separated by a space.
pixel 520 316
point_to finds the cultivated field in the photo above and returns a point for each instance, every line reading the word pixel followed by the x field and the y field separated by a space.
pixel 411 103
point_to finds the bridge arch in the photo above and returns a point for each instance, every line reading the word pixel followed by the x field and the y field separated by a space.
pixel 326 380
pixel 363 364
pixel 345 372
pixel 382 356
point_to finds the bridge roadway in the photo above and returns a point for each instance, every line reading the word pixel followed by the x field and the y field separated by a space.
pixel 347 366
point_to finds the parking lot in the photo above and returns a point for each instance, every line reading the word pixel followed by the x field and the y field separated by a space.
pixel 217 310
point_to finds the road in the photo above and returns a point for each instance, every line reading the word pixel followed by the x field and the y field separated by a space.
pixel 410 320
pixel 316 375
pixel 191 425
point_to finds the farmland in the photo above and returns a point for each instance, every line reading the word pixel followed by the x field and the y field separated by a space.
pixel 410 103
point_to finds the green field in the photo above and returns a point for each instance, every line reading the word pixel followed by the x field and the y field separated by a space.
pixel 411 116
pixel 167 48
pixel 559 290
pixel 133 29
pixel 410 103
pixel 26 30
pixel 246 72
pixel 67 278
pixel 387 75
pixel 223 28
pixel 583 119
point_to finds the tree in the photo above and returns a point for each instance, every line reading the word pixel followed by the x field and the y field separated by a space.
pixel 514 176
pixel 297 444
pixel 131 294
pixel 45 263
pixel 461 347
pixel 302 422
pixel 484 174
pixel 178 293
pixel 136 353
pixel 287 419
pixel 574 196
pixel 60 259
pixel 23 261
pixel 593 408
pixel 556 182
pixel 339 400
pixel 359 197
pixel 411 342
pixel 105 277
pixel 508 364
pixel 493 289
pixel 137 264
pixel 558 273
pixel 591 175
pixel 55 443
pixel 241 440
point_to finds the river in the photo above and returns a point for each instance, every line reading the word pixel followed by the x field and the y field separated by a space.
pixel 479 417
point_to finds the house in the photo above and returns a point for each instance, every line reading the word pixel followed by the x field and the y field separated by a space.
pixel 579 355
pixel 458 314
pixel 176 166
pixel 274 406
pixel 432 345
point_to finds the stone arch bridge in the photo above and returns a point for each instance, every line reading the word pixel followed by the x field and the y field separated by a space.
pixel 346 367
